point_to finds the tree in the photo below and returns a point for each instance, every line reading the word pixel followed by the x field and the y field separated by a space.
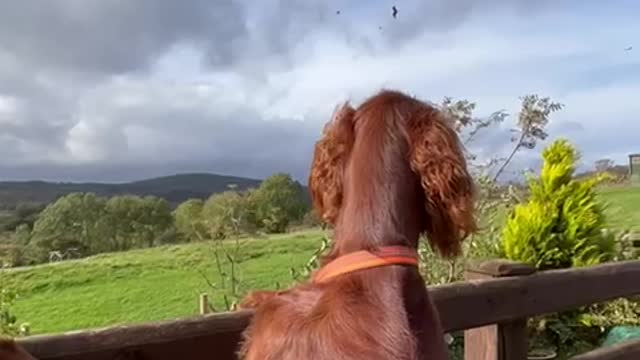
pixel 76 221
pixel 155 220
pixel 532 121
pixel 277 202
pixel 123 211
pixel 603 165
pixel 137 222
pixel 228 214
pixel 189 221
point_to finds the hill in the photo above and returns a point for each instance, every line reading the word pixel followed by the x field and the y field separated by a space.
pixel 174 188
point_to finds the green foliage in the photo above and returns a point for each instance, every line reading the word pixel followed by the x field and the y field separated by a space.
pixel 23 214
pixel 189 220
pixel 277 202
pixel 76 221
pixel 137 222
pixel 228 214
pixel 82 224
pixel 562 223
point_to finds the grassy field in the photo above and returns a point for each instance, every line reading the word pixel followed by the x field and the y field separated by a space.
pixel 164 283
pixel 152 284
pixel 623 207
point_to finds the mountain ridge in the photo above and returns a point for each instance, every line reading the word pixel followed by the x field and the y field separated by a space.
pixel 174 188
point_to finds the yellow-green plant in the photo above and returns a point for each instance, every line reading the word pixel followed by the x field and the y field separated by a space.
pixel 562 223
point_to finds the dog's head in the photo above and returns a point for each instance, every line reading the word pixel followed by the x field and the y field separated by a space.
pixel 427 144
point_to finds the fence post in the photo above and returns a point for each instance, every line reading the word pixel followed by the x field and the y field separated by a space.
pixel 505 341
pixel 204 304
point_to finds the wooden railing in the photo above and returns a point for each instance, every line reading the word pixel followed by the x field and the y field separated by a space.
pixel 492 306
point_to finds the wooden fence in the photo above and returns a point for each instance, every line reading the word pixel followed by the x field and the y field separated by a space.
pixel 491 306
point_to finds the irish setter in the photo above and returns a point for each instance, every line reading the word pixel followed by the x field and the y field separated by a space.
pixel 383 174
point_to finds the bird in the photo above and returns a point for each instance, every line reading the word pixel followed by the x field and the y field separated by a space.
pixel 394 11
pixel 629 48
pixel 338 12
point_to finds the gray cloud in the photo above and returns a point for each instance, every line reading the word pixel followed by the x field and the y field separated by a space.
pixel 82 100
pixel 115 36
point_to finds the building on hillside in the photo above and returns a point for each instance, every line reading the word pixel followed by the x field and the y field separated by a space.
pixel 634 167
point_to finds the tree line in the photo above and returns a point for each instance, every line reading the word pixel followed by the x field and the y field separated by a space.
pixel 83 224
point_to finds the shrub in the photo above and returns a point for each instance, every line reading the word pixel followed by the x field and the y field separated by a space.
pixel 562 223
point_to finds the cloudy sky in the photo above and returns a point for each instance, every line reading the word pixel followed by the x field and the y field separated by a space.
pixel 116 90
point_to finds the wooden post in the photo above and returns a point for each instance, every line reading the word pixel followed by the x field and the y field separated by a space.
pixel 504 341
pixel 204 304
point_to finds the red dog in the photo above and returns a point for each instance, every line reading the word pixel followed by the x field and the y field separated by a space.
pixel 382 175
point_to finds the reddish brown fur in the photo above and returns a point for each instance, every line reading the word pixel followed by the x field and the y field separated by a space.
pixel 382 174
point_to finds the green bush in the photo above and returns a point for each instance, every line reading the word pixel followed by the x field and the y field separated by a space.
pixel 562 223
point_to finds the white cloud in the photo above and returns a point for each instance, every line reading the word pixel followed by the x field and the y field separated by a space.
pixel 249 115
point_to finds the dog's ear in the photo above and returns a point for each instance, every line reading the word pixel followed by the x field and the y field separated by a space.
pixel 329 158
pixel 436 155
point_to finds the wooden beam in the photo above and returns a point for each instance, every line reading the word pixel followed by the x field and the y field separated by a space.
pixel 628 350
pixel 461 305
pixel 505 340
pixel 218 328
pixel 482 302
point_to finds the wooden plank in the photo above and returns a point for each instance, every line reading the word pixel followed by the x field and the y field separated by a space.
pixel 505 340
pixel 216 331
pixel 501 268
pixel 483 302
pixel 628 350
pixel 461 305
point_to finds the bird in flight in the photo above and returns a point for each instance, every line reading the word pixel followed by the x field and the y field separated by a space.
pixel 628 48
pixel 394 11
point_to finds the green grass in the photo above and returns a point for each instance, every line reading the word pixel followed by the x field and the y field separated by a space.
pixel 623 207
pixel 143 285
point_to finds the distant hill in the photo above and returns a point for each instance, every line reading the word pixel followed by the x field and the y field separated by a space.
pixel 174 188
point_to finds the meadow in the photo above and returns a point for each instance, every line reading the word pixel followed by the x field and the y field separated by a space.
pixel 164 282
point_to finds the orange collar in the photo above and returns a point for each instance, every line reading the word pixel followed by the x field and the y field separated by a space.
pixel 360 260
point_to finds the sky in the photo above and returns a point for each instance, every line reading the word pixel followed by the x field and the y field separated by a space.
pixel 119 90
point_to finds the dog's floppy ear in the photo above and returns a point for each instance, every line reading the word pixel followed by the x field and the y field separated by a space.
pixel 329 159
pixel 437 157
